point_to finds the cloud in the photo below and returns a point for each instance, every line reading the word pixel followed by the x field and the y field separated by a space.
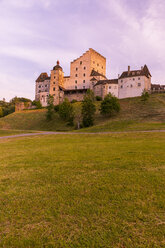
pixel 38 32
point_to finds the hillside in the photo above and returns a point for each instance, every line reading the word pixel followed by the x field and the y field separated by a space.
pixel 134 115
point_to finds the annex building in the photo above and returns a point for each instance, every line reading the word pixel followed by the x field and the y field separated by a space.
pixel 89 72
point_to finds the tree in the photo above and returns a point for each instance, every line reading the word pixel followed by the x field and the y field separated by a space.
pixel 66 111
pixel 50 108
pixel 88 109
pixel 77 115
pixel 145 96
pixel 109 105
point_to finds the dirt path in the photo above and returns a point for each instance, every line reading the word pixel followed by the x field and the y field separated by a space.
pixel 71 133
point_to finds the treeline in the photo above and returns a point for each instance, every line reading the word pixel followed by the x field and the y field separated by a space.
pixel 7 108
pixel 84 115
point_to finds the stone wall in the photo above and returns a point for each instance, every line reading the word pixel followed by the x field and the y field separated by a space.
pixel 19 106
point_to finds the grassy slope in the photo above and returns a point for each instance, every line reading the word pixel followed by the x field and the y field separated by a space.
pixel 83 191
pixel 134 115
pixel 32 120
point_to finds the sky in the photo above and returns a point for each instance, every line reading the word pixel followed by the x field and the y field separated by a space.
pixel 37 33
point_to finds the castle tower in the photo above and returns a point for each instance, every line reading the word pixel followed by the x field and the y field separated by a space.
pixel 56 83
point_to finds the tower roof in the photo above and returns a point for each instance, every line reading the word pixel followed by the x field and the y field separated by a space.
pixel 57 67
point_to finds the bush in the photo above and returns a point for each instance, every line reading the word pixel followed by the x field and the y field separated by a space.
pixel 66 111
pixel 37 104
pixel 98 98
pixel 145 96
pixel 73 101
pixel 56 108
pixel 88 109
pixel 1 112
pixel 109 105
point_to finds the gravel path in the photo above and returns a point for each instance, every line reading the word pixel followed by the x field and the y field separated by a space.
pixel 71 133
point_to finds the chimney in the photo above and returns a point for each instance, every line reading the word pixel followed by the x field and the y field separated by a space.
pixel 129 69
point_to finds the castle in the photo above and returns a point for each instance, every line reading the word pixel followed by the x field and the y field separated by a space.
pixel 89 72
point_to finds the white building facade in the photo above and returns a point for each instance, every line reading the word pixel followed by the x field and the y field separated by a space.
pixel 134 83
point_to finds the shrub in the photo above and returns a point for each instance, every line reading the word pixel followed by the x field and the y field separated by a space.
pixel 37 104
pixel 73 101
pixel 88 109
pixel 1 112
pixel 66 111
pixel 56 108
pixel 145 96
pixel 109 105
pixel 98 98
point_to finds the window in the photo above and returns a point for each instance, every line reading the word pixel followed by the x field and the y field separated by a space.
pixel 54 89
pixel 133 79
pixel 76 69
pixel 54 77
pixel 93 62
pixel 75 87
pixel 83 87
pixel 139 78
pixel 121 81
pixel 39 91
pixel 75 81
pixel 53 94
pixel 109 87
pixel 139 84
pixel 80 62
pixel 84 74
pixel 121 86
pixel 53 82
pixel 76 75
pixel 102 67
pixel 84 81
pixel 131 85
pixel 84 68
pixel 97 64
pixel 39 86
pixel 45 85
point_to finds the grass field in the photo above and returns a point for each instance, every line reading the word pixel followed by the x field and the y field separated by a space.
pixel 134 115
pixel 83 191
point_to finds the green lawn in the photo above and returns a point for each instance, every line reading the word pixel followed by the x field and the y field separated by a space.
pixel 83 191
